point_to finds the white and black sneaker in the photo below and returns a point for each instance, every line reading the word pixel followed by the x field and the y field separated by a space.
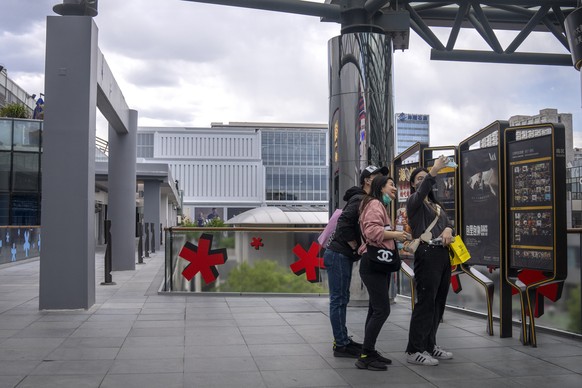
pixel 419 358
pixel 441 354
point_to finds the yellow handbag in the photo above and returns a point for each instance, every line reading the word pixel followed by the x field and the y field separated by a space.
pixel 458 251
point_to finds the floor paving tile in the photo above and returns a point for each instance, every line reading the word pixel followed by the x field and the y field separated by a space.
pixel 73 367
pixel 135 337
pixel 224 380
pixel 61 381
pixel 142 380
pixel 155 365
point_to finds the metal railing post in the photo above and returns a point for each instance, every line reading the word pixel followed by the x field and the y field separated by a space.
pixel 147 240
pixel 140 243
pixel 108 277
pixel 153 250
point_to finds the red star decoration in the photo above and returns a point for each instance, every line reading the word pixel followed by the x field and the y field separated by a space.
pixel 202 259
pixel 552 291
pixel 308 263
pixel 456 283
pixel 257 242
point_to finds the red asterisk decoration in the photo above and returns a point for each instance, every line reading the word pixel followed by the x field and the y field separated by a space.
pixel 552 291
pixel 308 263
pixel 202 259
pixel 257 242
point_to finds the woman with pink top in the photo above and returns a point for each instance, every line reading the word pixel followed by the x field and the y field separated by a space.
pixel 377 231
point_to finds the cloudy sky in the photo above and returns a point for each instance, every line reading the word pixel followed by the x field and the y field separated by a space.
pixel 181 63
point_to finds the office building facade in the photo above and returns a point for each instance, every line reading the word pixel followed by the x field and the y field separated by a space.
pixel 230 168
pixel 574 190
pixel 550 115
pixel 20 176
pixel 411 128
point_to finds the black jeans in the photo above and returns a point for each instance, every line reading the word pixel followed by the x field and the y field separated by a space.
pixel 377 284
pixel 432 274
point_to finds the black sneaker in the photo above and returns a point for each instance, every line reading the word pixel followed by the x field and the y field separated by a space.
pixel 355 344
pixel 370 362
pixel 346 351
pixel 381 358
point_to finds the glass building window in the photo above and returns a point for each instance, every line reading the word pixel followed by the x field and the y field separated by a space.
pixel 5 135
pixel 25 209
pixel 4 208
pixel 26 136
pixel 145 145
pixel 4 171
pixel 25 172
pixel 295 165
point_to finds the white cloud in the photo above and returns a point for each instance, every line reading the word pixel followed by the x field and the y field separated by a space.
pixel 185 63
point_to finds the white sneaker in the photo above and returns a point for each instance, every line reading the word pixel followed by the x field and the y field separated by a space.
pixel 441 354
pixel 419 358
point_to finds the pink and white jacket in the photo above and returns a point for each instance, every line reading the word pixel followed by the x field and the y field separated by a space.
pixel 374 221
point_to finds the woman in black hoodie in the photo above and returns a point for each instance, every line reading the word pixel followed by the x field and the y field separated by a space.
pixel 339 258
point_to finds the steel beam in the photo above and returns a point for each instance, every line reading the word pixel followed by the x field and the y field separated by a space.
pixel 328 11
pixel 490 57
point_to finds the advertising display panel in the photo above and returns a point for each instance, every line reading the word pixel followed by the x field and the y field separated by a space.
pixel 480 205
pixel 536 197
pixel 482 194
pixel 403 165
pixel 445 189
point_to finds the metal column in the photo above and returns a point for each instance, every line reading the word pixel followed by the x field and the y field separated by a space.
pixel 67 265
pixel 122 169
pixel 361 115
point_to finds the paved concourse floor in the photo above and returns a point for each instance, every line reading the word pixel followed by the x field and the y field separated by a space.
pixel 133 337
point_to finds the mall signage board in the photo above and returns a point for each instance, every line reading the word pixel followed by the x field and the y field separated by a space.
pixel 481 193
pixel 445 189
pixel 535 176
pixel 402 167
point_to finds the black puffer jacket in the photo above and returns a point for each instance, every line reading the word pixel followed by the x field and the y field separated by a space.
pixel 348 228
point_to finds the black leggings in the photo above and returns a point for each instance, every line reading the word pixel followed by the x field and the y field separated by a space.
pixel 432 274
pixel 377 284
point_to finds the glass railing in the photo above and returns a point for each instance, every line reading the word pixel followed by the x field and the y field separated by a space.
pixel 258 260
pixel 19 243
pixel 565 314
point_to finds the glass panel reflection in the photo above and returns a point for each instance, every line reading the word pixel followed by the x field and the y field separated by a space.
pixel 258 261
pixel 5 134
pixel 25 172
pixel 4 171
pixel 26 136
pixel 25 209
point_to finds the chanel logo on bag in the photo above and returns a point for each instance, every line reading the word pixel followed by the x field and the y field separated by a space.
pixel 385 256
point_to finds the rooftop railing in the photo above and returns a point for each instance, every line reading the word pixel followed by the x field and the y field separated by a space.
pixel 260 260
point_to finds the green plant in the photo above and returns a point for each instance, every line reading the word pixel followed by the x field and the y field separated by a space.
pixel 227 242
pixel 267 276
pixel 187 222
pixel 575 323
pixel 14 110
pixel 215 223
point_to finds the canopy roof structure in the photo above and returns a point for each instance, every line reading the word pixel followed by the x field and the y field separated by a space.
pixel 281 216
pixel 396 17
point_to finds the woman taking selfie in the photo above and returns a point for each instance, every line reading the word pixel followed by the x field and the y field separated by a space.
pixel 432 267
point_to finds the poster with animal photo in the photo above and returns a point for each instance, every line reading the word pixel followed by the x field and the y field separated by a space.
pixel 480 205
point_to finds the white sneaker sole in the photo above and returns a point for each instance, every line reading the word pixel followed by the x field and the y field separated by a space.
pixel 422 360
